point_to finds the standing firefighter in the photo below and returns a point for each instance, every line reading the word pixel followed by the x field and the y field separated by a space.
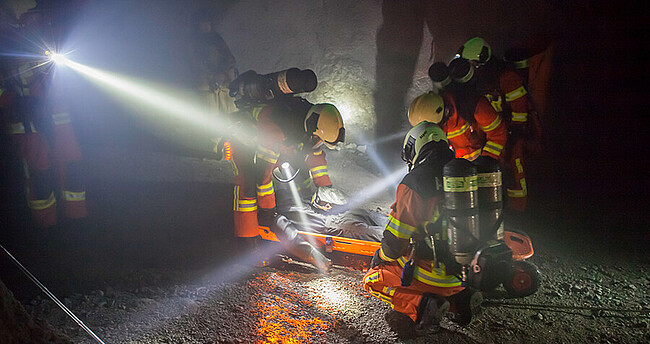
pixel 411 271
pixel 289 129
pixel 505 90
pixel 40 126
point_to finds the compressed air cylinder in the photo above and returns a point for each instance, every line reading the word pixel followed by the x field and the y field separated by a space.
pixel 292 80
pixel 490 201
pixel 460 184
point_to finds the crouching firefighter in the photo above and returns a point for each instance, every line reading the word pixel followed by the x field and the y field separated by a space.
pixel 413 271
pixel 292 130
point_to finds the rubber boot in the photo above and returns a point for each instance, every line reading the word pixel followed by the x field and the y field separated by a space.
pixel 465 306
pixel 431 310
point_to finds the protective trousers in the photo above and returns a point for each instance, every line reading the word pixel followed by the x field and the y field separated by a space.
pixel 384 283
pixel 514 174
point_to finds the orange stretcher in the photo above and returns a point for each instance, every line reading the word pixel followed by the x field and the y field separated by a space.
pixel 330 243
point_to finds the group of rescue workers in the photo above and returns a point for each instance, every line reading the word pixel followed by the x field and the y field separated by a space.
pixel 480 108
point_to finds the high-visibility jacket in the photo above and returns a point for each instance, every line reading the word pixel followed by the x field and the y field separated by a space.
pixel 417 202
pixel 280 137
pixel 487 136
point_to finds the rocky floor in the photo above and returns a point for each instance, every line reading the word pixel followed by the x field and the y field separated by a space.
pixel 155 265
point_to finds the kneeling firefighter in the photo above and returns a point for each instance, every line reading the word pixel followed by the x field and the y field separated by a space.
pixel 288 129
pixel 413 270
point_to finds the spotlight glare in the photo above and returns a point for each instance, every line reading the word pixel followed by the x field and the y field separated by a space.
pixel 59 59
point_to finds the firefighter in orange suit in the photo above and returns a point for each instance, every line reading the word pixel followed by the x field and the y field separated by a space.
pixel 504 88
pixel 293 130
pixel 477 131
pixel 40 128
pixel 425 294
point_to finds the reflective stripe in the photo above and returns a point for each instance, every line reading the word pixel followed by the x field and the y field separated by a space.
pixel 493 148
pixel 318 152
pixel 235 170
pixel 495 101
pixel 492 125
pixel 399 229
pixel 256 112
pixel 381 296
pixel 516 94
pixel 243 205
pixel 74 196
pixel 520 168
pixel 383 256
pixel 519 116
pixel 521 64
pixel 18 128
pixel 388 291
pixel 458 132
pixel 61 118
pixel 319 171
pixel 266 189
pixel 373 277
pixel 519 193
pixel 267 155
pixel 472 156
pixel 435 278
pixel 40 204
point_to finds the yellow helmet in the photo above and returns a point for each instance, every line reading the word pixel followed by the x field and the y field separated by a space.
pixel 324 120
pixel 477 50
pixel 428 107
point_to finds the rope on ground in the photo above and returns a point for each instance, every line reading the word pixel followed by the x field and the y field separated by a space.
pixel 52 296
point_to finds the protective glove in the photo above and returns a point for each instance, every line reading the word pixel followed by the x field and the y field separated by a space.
pixel 376 260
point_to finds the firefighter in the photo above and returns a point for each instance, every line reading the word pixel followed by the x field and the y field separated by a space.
pixel 293 130
pixel 505 90
pixel 40 126
pixel 473 128
pixel 413 237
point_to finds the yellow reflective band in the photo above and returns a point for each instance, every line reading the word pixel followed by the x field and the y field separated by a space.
pixel 319 171
pixel 372 278
pixel 18 128
pixel 319 152
pixel 520 168
pixel 235 170
pixel 246 205
pixel 493 148
pixel 388 291
pixel 495 101
pixel 492 125
pixel 521 64
pixel 267 155
pixel 399 229
pixel 516 94
pixel 383 256
pixel 519 193
pixel 74 196
pixel 519 116
pixel 381 297
pixel 472 156
pixel 266 189
pixel 61 118
pixel 458 132
pixel 435 278
pixel 256 112
pixel 40 204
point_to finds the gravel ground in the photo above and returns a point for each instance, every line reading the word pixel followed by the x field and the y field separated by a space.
pixel 172 287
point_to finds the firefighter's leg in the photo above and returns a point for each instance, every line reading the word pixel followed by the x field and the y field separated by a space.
pixel 39 175
pixel 67 153
pixel 266 198
pixel 317 165
pixel 516 178
pixel 245 198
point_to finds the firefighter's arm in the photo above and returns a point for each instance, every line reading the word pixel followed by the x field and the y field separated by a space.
pixel 269 139
pixel 407 212
pixel 493 126
pixel 516 96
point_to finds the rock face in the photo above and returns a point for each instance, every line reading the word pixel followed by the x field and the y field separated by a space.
pixel 16 326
